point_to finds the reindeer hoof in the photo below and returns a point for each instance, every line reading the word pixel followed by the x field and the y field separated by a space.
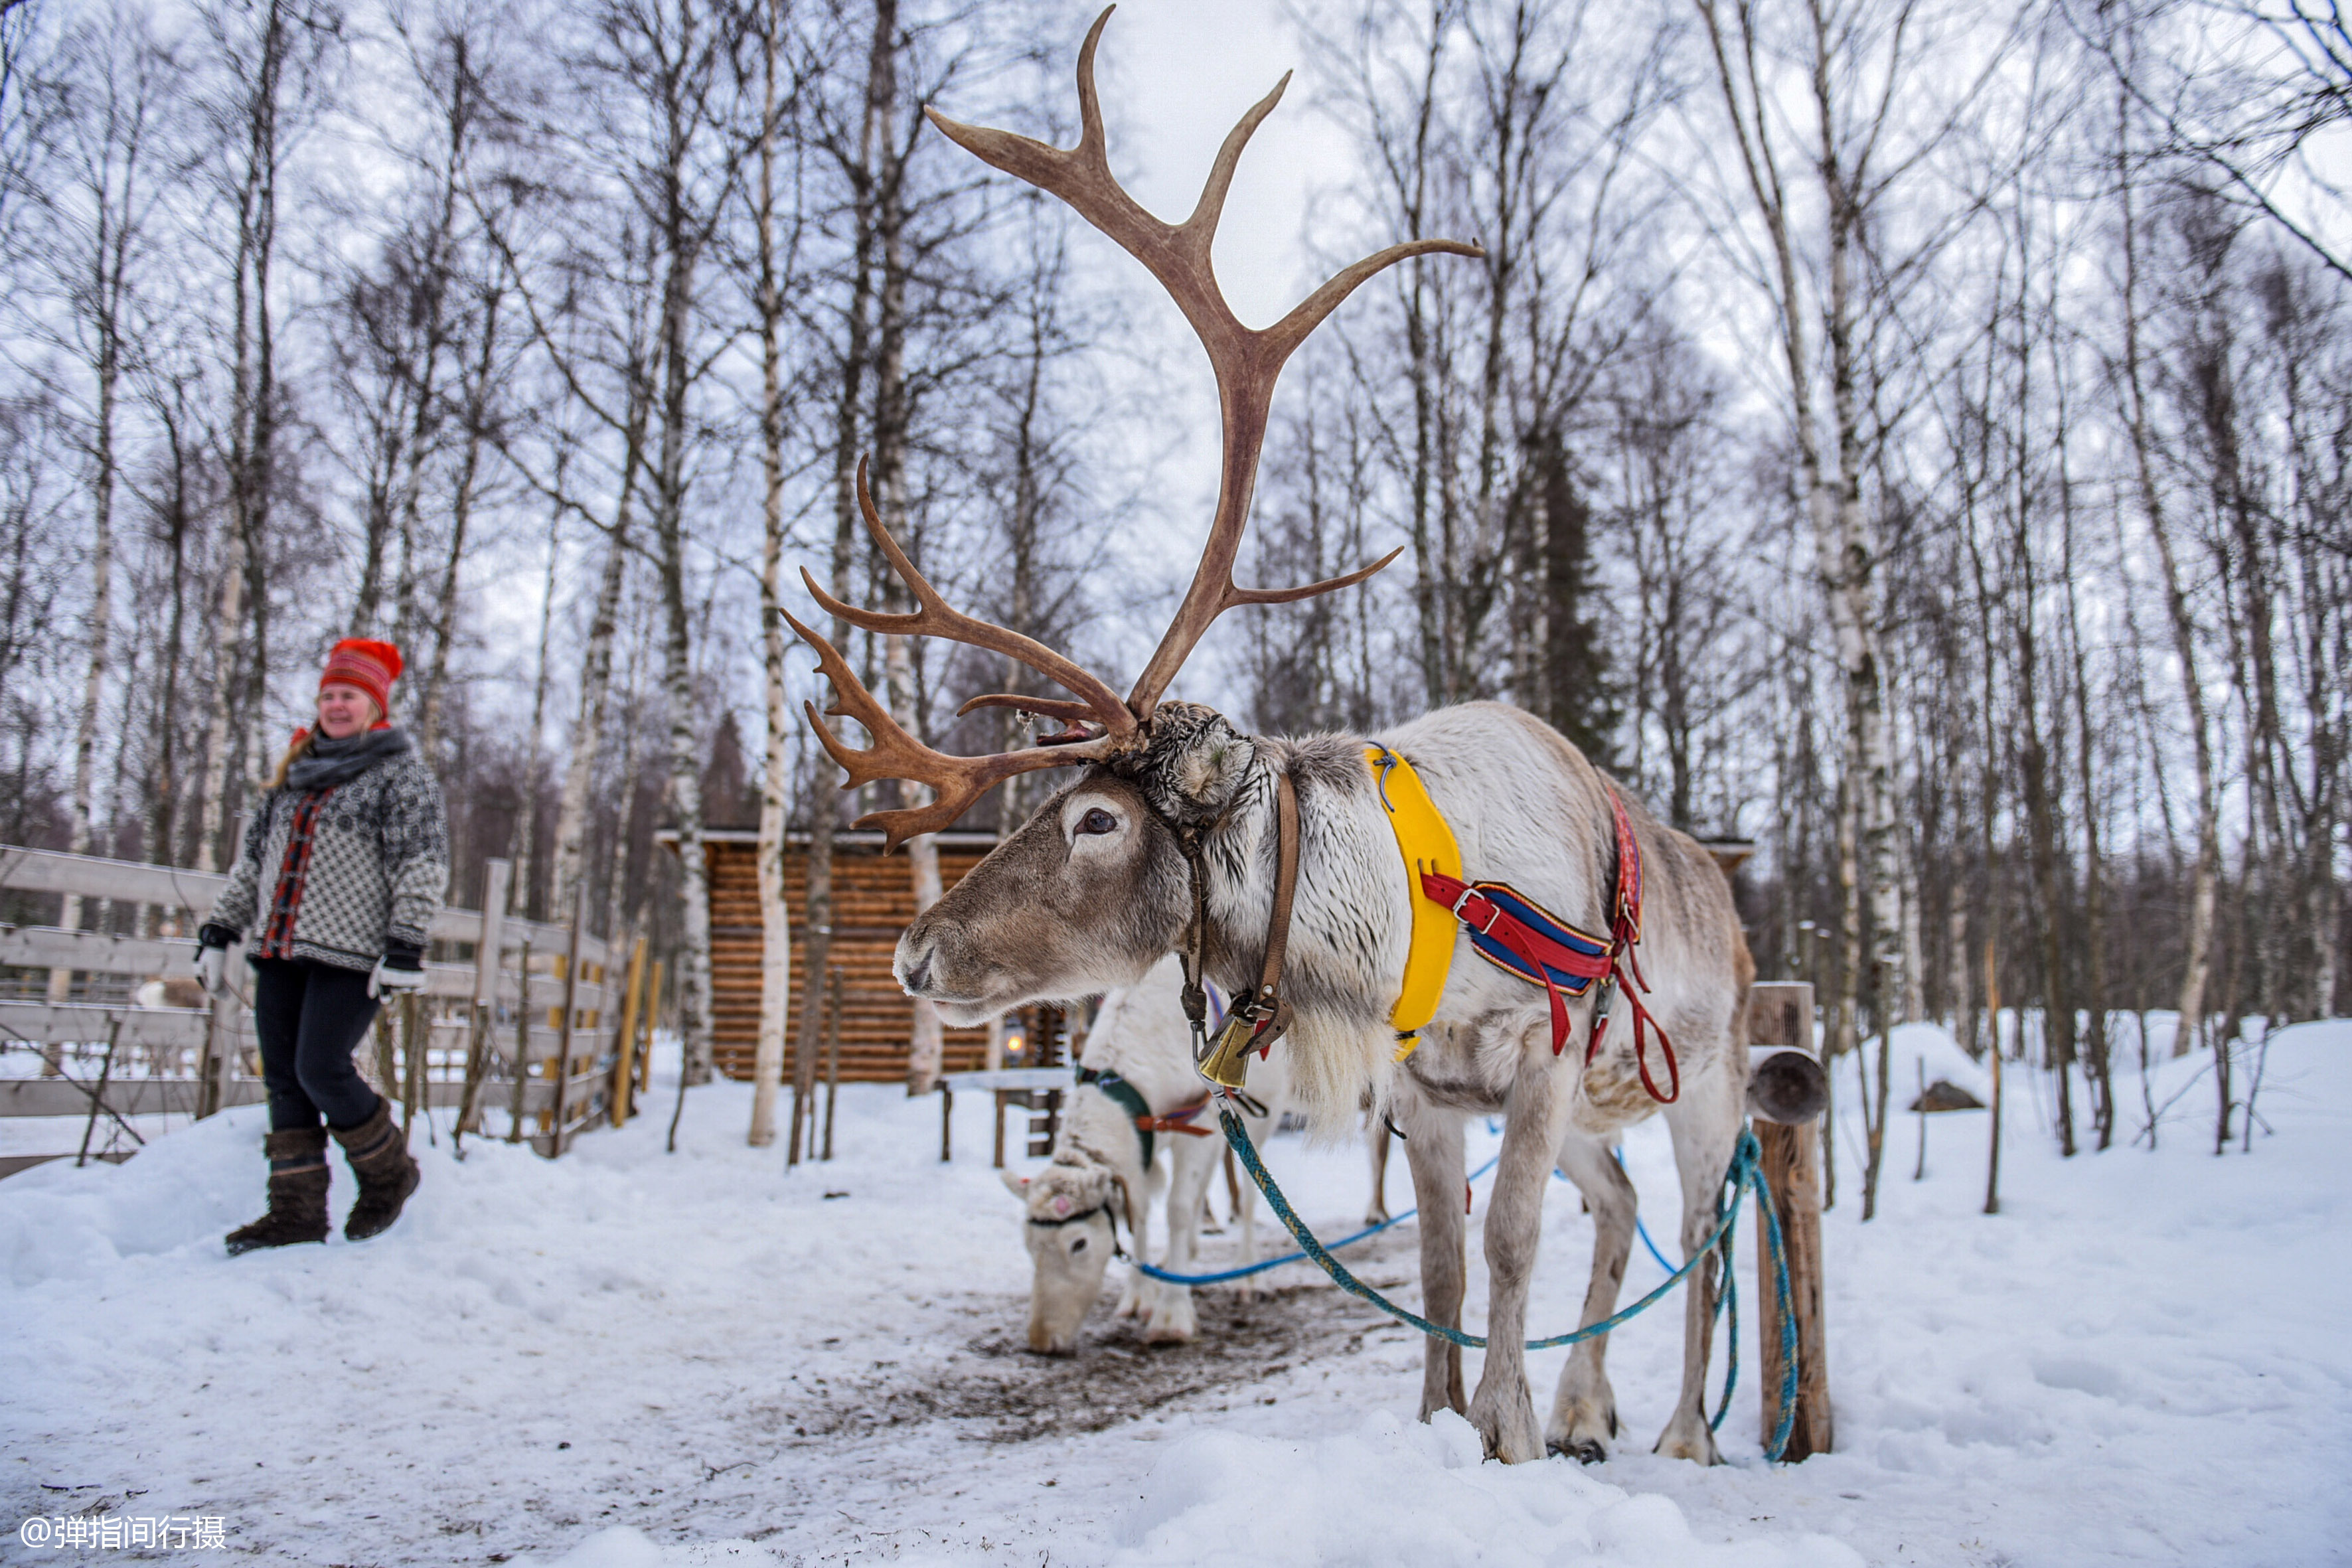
pixel 1173 1323
pixel 1579 1428
pixel 1689 1440
pixel 1507 1425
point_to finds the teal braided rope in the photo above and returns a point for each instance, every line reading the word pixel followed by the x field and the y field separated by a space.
pixel 1786 1416
pixel 1746 1170
pixel 1774 1245
pixel 1153 1271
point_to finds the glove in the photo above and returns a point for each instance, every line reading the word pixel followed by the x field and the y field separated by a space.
pixel 212 971
pixel 401 970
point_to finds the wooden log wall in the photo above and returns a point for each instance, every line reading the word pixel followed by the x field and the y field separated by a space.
pixel 873 901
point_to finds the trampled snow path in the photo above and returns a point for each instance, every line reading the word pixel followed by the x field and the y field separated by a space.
pixel 630 1358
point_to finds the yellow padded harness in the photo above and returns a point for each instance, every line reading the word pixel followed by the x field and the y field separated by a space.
pixel 1424 844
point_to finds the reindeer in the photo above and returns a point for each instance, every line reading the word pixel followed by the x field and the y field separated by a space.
pixel 1105 1174
pixel 1272 863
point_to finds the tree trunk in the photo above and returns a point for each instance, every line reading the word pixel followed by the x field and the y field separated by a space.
pixel 926 1047
pixel 461 509
pixel 2098 1053
pixel 524 849
pixel 685 754
pixel 775 918
pixel 571 811
pixel 873 142
pixel 892 415
pixel 2206 877
pixel 101 626
pixel 1845 542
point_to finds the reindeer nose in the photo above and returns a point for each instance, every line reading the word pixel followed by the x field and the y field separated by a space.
pixel 920 975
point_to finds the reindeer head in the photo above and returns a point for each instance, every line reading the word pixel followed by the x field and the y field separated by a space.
pixel 1067 1226
pixel 1091 891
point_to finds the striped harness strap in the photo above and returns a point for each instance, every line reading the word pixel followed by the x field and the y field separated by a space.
pixel 1514 932
pixel 1130 1099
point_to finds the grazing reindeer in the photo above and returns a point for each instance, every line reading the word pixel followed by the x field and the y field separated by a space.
pixel 1101 1177
pixel 1278 865
pixel 1104 1172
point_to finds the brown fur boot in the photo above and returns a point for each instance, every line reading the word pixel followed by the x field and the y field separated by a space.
pixel 297 1193
pixel 378 1152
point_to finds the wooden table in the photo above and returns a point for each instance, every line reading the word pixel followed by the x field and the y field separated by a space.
pixel 1011 1085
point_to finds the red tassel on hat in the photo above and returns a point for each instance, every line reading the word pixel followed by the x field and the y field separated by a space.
pixel 367 663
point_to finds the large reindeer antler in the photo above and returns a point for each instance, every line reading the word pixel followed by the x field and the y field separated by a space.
pixel 956 782
pixel 1247 363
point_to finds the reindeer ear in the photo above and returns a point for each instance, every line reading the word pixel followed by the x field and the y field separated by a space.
pixel 1194 760
pixel 1017 1185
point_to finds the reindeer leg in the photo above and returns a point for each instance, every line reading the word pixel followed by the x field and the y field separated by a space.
pixel 1584 1407
pixel 1706 1126
pixel 1169 1318
pixel 1139 1295
pixel 1376 1144
pixel 1432 1152
pixel 1503 1410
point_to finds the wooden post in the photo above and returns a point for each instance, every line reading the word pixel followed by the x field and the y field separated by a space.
pixel 522 1042
pixel 415 1036
pixel 645 1031
pixel 220 1047
pixel 832 1059
pixel 98 1099
pixel 1781 1016
pixel 1992 1011
pixel 497 875
pixel 624 1065
pixel 804 1054
pixel 1919 1170
pixel 563 1037
pixel 387 1064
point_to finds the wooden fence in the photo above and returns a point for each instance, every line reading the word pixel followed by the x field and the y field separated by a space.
pixel 522 1028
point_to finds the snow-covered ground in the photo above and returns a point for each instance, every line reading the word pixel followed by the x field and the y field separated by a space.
pixel 630 1358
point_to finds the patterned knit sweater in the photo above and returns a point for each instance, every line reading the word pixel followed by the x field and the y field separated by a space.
pixel 334 875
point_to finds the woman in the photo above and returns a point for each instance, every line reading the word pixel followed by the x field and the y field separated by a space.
pixel 350 848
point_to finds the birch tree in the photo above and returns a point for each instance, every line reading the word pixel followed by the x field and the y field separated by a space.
pixel 1858 63
pixel 776 252
pixel 115 146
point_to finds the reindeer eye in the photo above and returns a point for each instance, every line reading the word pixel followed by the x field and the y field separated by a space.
pixel 1099 821
pixel 1077 1247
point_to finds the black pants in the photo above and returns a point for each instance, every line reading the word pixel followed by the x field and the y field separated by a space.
pixel 310 1018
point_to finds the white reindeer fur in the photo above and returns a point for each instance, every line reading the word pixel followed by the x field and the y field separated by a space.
pixel 1525 807
pixel 1141 1035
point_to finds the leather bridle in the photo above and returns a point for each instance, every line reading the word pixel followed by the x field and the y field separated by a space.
pixel 1258 1018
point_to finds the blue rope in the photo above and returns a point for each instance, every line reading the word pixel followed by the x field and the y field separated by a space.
pixel 1746 1170
pixel 1156 1273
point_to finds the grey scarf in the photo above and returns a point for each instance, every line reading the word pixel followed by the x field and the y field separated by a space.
pixel 328 761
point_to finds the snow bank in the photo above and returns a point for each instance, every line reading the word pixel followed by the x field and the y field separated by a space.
pixel 1392 1491
pixel 1918 1053
pixel 627 1359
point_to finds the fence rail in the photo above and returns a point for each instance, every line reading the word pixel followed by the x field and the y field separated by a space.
pixel 518 1026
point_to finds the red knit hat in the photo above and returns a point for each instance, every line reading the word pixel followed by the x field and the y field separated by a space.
pixel 371 666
